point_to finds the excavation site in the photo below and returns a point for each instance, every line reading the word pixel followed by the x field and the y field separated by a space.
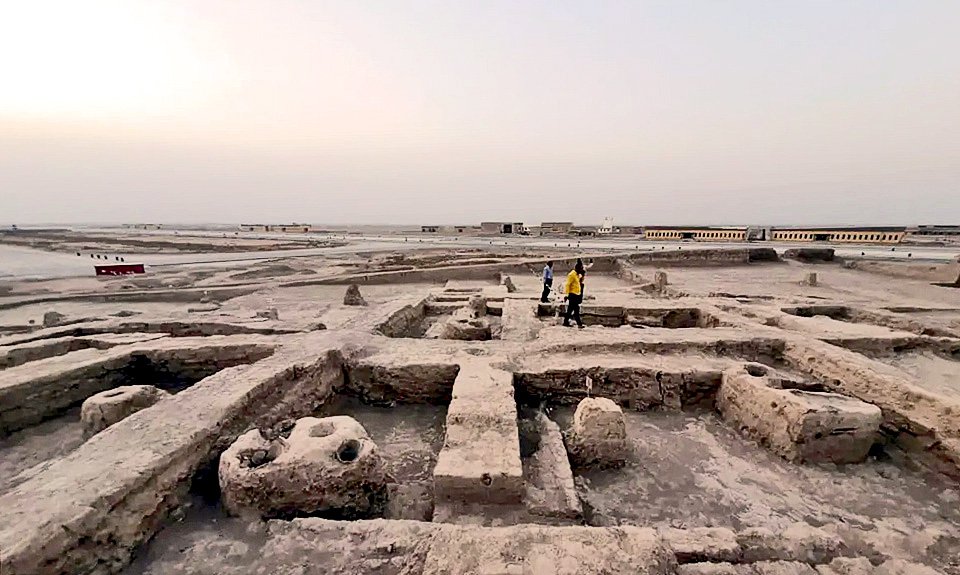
pixel 424 410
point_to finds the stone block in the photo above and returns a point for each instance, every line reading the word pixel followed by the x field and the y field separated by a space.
pixel 53 318
pixel 536 550
pixel 465 325
pixel 782 568
pixel 847 566
pixel 353 296
pixel 102 410
pixel 271 314
pixel 798 425
pixel 660 280
pixel 707 568
pixel 326 465
pixel 703 544
pixel 477 306
pixel 598 435
pixel 798 542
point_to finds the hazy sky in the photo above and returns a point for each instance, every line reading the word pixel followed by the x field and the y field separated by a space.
pixel 448 111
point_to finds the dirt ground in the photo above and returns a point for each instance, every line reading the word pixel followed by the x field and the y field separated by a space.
pixel 22 450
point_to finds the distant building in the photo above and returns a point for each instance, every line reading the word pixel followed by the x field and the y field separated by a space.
pixel 698 233
pixel 292 228
pixel 607 228
pixel 502 228
pixel 144 226
pixel 282 228
pixel 449 230
pixel 548 228
pixel 857 235
pixel 934 231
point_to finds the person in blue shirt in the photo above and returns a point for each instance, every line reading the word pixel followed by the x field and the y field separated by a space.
pixel 547 281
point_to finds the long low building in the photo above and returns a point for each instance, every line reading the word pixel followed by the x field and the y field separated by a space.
pixel 699 233
pixel 853 235
pixel 449 229
pixel 934 231
pixel 284 228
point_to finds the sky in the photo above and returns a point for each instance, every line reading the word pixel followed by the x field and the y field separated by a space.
pixel 447 111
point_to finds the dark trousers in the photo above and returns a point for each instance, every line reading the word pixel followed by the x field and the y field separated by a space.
pixel 547 284
pixel 573 309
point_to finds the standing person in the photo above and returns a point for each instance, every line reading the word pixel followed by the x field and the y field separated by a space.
pixel 547 281
pixel 583 277
pixel 574 295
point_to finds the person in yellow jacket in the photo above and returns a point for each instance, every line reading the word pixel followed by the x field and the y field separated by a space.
pixel 574 292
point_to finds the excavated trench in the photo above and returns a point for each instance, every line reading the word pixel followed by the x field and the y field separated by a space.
pixel 618 316
pixel 170 328
pixel 686 467
pixel 40 430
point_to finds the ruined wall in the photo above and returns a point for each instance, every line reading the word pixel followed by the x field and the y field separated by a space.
pixel 639 388
pixel 912 417
pixel 403 321
pixel 34 392
pixel 88 511
pixel 704 257
pixel 378 380
pixel 18 356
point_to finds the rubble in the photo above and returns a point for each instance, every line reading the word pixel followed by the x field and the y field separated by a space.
pixel 271 314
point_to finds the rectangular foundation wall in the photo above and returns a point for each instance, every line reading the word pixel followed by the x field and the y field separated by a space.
pixel 480 459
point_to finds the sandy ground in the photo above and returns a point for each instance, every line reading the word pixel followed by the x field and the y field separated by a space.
pixel 835 283
pixel 691 470
pixel 24 449
pixel 938 374
pixel 409 436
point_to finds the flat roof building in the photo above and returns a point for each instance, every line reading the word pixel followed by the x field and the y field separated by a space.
pixel 699 233
pixel 934 231
pixel 501 227
pixel 857 234
pixel 283 228
pixel 556 228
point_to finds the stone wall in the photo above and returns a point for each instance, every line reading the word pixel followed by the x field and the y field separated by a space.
pixel 704 257
pixel 33 392
pixel 88 511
